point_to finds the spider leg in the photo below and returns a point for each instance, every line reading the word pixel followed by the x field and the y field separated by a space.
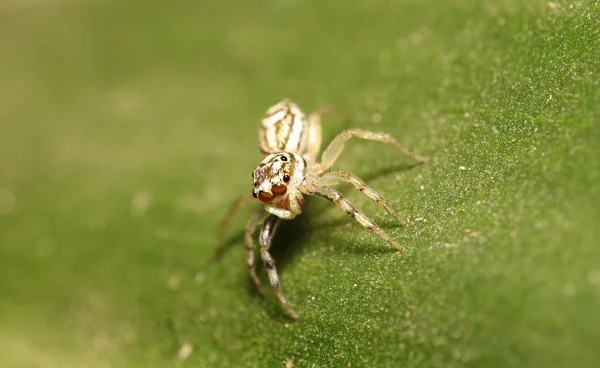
pixel 266 235
pixel 224 224
pixel 314 132
pixel 255 221
pixel 346 177
pixel 336 146
pixel 336 197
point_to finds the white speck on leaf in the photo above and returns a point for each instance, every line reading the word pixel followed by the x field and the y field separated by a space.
pixel 173 282
pixel 185 351
pixel 140 203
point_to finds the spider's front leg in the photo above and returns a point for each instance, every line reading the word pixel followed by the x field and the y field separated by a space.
pixel 336 197
pixel 266 235
pixel 336 146
pixel 346 177
pixel 255 221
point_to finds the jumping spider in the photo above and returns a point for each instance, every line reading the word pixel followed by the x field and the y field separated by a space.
pixel 291 143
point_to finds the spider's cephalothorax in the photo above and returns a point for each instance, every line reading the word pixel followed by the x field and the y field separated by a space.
pixel 291 143
pixel 276 182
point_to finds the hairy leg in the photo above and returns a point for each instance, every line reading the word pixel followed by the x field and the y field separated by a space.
pixel 255 221
pixel 346 177
pixel 337 198
pixel 266 235
pixel 314 133
pixel 336 146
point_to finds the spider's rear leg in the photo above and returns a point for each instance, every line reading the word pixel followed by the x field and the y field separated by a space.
pixel 314 131
pixel 254 222
pixel 224 224
pixel 345 176
pixel 266 235
pixel 336 146
pixel 337 198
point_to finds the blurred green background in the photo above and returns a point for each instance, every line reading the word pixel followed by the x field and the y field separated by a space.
pixel 127 128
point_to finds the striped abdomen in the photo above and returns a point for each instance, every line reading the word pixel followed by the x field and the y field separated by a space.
pixel 284 128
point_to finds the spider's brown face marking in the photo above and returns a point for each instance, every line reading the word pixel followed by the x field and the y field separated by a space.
pixel 276 175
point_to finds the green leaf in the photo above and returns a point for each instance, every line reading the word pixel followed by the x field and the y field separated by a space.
pixel 128 128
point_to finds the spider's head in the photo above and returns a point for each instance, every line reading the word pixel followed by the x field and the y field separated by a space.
pixel 276 174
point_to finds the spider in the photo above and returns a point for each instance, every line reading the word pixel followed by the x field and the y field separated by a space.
pixel 291 143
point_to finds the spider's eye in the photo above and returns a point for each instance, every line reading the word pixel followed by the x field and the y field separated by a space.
pixel 279 189
pixel 265 196
pixel 283 158
pixel 286 178
pixel 254 194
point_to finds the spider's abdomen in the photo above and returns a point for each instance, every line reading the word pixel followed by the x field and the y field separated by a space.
pixel 284 128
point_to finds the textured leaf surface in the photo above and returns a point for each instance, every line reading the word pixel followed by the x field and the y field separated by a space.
pixel 127 128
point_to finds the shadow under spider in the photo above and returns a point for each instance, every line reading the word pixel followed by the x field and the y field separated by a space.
pixel 388 170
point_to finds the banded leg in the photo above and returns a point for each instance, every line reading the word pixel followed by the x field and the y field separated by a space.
pixel 266 235
pixel 336 197
pixel 346 177
pixel 255 221
pixel 224 224
pixel 336 146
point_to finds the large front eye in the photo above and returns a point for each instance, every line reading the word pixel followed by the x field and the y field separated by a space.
pixel 278 189
pixel 265 196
